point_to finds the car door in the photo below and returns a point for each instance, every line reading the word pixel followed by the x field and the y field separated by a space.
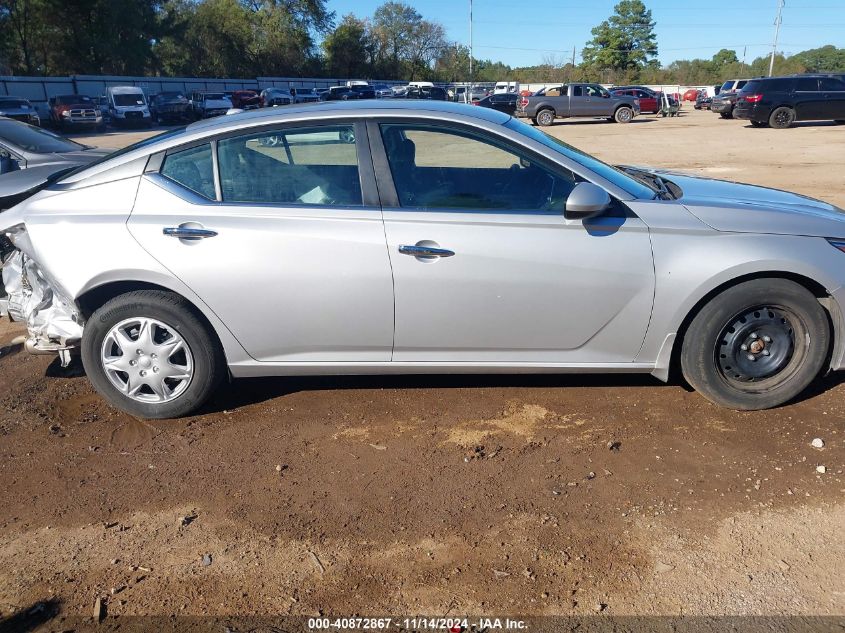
pixel 833 91
pixel 579 101
pixel 287 247
pixel 486 268
pixel 809 101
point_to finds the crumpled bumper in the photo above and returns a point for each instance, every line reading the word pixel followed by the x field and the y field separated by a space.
pixel 53 321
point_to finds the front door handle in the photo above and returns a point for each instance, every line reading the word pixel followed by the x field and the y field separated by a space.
pixel 425 251
pixel 188 232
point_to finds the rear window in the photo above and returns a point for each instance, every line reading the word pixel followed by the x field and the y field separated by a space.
pixel 13 103
pixel 779 85
pixel 807 84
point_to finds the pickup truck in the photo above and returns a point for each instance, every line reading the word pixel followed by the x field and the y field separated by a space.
pixel 577 100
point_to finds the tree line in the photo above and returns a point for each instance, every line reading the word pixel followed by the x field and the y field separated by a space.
pixel 250 38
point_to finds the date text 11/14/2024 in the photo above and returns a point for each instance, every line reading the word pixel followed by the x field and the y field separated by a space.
pixel 452 625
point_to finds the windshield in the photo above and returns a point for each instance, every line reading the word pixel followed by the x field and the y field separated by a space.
pixel 727 85
pixel 33 139
pixel 14 103
pixel 129 148
pixel 608 172
pixel 72 99
pixel 123 100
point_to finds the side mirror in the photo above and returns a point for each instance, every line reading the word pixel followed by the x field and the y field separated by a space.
pixel 585 201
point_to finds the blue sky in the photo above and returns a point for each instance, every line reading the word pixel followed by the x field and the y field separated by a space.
pixel 504 29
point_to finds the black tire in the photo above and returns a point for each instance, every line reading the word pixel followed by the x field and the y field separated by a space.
pixel 780 323
pixel 209 365
pixel 623 114
pixel 545 117
pixel 782 118
pixel 727 115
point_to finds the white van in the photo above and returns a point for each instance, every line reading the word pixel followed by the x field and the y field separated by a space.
pixel 506 87
pixel 128 105
pixel 356 82
pixel 420 84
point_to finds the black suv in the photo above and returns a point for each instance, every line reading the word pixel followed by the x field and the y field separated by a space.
pixel 780 101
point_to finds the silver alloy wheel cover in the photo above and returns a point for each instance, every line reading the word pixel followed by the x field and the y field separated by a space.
pixel 143 369
pixel 623 114
pixel 545 117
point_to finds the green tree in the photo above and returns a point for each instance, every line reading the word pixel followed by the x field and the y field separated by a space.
pixel 348 49
pixel 825 59
pixel 626 41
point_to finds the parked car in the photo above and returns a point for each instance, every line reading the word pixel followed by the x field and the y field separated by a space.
pixel 25 146
pixel 691 94
pixel 649 100
pixel 246 100
pixel 605 268
pixel 270 97
pixel 503 102
pixel 577 100
pixel 68 111
pixel 128 106
pixel 723 103
pixel 205 105
pixel 169 107
pixel 383 91
pixel 435 93
pixel 19 109
pixel 364 91
pixel 781 101
pixel 339 93
pixel 702 102
pixel 304 95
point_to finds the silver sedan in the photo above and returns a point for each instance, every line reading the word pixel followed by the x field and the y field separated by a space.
pixel 396 237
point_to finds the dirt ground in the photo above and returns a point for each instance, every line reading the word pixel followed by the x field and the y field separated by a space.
pixel 529 496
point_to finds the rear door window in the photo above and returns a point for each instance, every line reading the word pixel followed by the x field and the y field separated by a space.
pixel 832 84
pixel 292 166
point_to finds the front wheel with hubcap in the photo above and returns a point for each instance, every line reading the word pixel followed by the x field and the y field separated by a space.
pixel 623 115
pixel 149 354
pixel 545 117
pixel 756 345
pixel 782 118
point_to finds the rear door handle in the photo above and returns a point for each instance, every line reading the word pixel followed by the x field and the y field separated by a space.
pixel 188 233
pixel 425 251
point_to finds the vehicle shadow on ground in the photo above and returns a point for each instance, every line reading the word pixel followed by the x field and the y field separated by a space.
pixel 249 391
pixel 805 124
pixel 32 618
pixel 639 120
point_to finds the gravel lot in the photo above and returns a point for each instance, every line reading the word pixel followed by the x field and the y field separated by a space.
pixel 549 495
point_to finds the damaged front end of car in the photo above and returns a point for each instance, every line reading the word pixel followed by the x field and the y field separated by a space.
pixel 53 320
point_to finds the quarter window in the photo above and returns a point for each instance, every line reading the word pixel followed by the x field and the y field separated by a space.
pixel 312 166
pixel 437 168
pixel 192 169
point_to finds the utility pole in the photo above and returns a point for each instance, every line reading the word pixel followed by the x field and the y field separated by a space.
pixel 781 3
pixel 469 96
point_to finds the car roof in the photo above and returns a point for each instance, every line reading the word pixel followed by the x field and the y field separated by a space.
pixel 326 109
